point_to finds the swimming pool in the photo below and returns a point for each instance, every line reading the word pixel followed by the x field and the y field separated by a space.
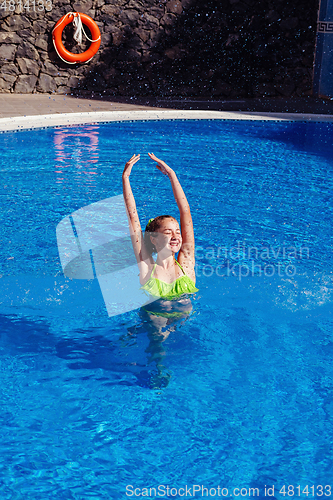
pixel 243 399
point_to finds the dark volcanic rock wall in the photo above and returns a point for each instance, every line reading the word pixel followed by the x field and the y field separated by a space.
pixel 226 48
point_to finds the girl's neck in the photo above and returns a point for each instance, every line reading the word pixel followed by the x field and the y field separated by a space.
pixel 167 262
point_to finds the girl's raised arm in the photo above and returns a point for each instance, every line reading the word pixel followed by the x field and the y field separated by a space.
pixel 186 224
pixel 142 257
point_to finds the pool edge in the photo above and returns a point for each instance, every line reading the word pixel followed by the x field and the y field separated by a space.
pixel 62 119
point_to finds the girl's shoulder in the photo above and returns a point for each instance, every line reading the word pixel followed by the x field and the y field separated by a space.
pixel 187 263
pixel 146 268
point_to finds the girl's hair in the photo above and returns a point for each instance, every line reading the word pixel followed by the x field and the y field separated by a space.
pixel 152 227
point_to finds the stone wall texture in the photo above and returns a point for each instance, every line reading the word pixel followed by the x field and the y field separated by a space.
pixel 211 48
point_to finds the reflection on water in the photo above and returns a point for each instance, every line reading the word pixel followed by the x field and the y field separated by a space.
pixel 76 148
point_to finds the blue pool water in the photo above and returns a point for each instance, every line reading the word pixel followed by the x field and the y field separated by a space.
pixel 237 396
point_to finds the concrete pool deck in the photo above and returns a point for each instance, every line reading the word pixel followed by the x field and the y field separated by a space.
pixel 20 111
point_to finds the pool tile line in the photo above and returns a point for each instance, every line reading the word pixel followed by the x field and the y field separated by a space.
pixel 18 123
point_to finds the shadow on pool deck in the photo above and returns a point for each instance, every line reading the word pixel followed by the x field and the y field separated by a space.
pixel 277 105
pixel 39 104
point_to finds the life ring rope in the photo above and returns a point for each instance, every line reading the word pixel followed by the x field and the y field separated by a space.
pixel 57 34
pixel 87 37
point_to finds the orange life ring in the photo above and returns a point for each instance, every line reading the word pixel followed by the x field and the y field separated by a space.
pixel 70 57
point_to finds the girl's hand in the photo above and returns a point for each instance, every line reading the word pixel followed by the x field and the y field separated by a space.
pixel 129 165
pixel 161 165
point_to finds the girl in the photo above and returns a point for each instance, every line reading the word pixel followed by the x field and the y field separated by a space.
pixel 167 278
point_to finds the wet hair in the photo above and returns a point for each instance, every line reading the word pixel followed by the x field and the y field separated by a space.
pixel 152 227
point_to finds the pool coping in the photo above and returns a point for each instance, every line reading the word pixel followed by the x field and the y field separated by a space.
pixel 17 123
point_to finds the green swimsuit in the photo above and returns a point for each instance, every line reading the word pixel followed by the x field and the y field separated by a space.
pixel 168 291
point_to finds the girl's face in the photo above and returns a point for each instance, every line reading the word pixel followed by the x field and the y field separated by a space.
pixel 169 236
